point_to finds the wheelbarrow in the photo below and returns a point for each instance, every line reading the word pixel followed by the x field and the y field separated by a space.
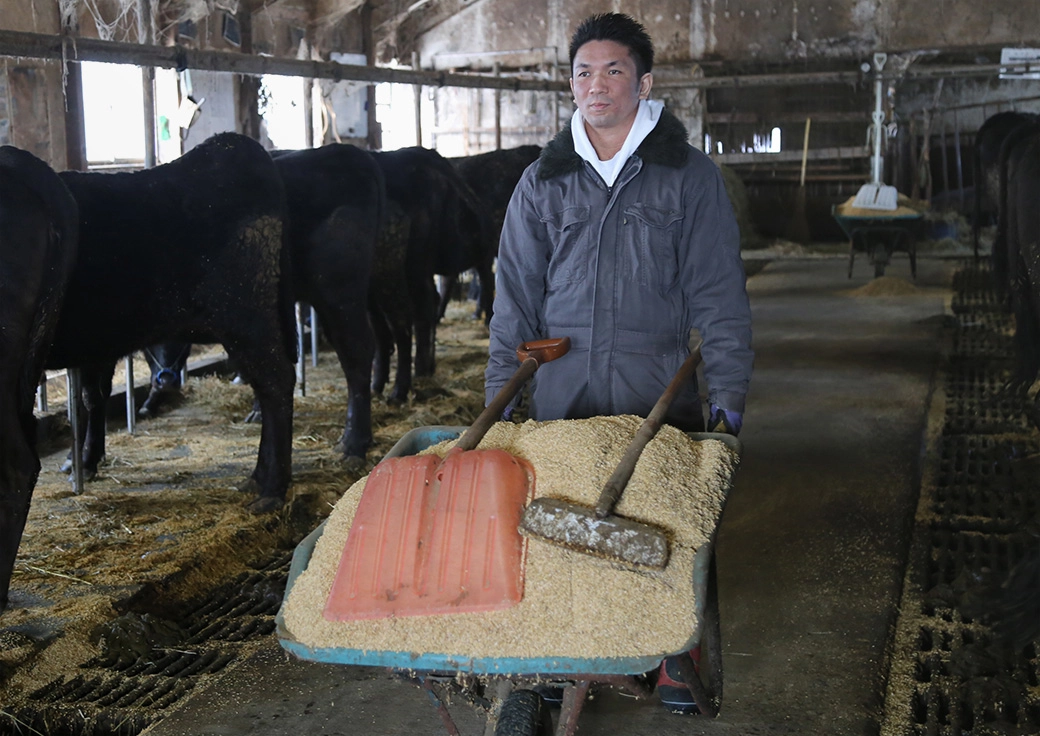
pixel 502 687
pixel 879 236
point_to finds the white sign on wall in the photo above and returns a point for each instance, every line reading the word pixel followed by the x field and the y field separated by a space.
pixel 1020 63
pixel 349 100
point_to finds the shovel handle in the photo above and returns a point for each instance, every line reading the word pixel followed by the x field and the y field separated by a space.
pixel 531 355
pixel 611 492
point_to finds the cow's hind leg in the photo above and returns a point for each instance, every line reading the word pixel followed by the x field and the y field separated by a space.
pixel 19 469
pixel 97 389
pixel 272 377
pixel 348 329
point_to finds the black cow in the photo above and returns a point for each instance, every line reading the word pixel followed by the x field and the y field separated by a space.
pixel 492 176
pixel 38 241
pixel 1018 237
pixel 337 198
pixel 189 251
pixel 434 225
pixel 986 168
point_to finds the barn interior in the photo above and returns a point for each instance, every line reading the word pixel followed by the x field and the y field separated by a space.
pixel 887 479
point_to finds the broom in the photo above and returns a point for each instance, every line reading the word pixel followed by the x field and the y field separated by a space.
pixel 798 229
pixel 597 531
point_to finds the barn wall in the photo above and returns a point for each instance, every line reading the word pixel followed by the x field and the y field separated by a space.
pixel 32 111
pixel 32 108
pixel 749 30
pixel 759 34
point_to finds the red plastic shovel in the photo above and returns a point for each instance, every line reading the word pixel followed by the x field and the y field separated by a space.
pixel 437 536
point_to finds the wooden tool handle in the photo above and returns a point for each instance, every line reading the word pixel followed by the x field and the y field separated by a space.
pixel 611 492
pixel 531 355
pixel 493 411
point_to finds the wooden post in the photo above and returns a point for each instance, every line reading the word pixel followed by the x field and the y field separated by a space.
pixel 915 178
pixel 498 112
pixel 375 138
pixel 945 158
pixel 960 164
pixel 248 86
pixel 926 155
pixel 465 122
pixel 75 131
pixel 146 35
pixel 417 89
pixel 556 101
pixel 308 103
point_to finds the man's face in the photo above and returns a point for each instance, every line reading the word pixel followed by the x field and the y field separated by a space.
pixel 606 86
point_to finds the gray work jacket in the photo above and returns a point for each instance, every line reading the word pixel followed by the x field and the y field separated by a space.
pixel 626 272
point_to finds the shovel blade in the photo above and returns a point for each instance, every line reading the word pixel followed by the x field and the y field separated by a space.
pixel 432 537
pixel 612 537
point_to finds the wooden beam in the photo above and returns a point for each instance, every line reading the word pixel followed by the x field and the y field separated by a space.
pixel 840 152
pixel 794 79
pixel 784 116
pixel 763 80
pixel 41 46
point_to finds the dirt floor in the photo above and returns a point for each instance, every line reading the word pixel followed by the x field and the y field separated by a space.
pixel 163 521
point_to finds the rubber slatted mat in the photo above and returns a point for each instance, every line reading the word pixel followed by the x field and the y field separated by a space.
pixel 951 674
pixel 121 695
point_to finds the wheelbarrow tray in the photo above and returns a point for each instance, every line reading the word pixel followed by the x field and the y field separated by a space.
pixel 853 225
pixel 887 233
pixel 413 442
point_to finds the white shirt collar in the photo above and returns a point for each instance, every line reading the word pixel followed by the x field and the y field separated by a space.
pixel 647 115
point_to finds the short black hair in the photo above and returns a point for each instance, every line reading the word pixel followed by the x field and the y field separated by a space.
pixel 619 28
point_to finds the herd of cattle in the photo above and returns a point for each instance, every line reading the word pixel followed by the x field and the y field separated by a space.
pixel 1007 176
pixel 217 247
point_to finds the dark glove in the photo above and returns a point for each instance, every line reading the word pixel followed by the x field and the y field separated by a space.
pixel 724 420
pixel 507 413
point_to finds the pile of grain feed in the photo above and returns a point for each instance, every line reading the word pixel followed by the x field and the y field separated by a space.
pixel 905 207
pixel 574 605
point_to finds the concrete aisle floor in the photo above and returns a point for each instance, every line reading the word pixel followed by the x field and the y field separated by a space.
pixel 811 550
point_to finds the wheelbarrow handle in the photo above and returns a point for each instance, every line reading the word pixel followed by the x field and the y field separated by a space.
pixel 531 355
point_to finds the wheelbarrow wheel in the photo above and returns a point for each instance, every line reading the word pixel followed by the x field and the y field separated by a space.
pixel 524 713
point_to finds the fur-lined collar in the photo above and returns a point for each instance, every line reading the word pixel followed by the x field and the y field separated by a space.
pixel 665 145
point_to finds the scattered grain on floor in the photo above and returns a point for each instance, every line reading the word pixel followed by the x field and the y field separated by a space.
pixel 574 605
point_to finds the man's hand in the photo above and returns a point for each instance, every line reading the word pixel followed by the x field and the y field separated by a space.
pixel 723 420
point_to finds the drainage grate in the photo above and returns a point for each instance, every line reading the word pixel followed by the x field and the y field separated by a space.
pixel 966 681
pixel 978 487
pixel 998 323
pixel 976 402
pixel 123 695
pixel 979 342
pixel 973 292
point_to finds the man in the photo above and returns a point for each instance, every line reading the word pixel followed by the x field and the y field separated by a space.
pixel 621 237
